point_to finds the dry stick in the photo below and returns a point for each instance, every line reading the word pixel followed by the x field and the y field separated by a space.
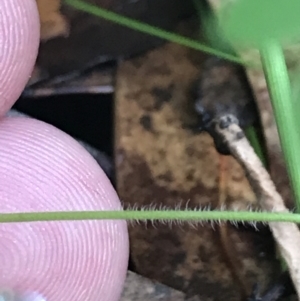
pixel 229 250
pixel 287 235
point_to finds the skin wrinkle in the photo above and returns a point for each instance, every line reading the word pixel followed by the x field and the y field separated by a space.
pixel 93 261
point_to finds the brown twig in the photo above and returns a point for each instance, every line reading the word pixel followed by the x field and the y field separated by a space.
pixel 287 235
pixel 229 250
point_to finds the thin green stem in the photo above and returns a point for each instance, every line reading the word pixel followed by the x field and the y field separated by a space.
pixel 281 95
pixel 186 215
pixel 151 30
pixel 253 137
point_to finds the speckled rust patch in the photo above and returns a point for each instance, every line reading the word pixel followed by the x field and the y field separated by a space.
pixel 159 161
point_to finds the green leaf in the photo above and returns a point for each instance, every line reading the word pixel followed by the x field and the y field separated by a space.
pixel 253 22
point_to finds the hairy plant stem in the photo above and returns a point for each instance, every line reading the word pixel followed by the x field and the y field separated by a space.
pixel 152 215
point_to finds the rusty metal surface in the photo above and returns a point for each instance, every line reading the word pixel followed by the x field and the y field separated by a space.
pixel 160 162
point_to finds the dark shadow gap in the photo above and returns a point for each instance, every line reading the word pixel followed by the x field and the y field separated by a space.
pixel 83 116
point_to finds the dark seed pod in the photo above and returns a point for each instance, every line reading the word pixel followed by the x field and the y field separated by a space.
pixel 222 89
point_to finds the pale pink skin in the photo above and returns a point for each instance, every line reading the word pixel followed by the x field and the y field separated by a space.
pixel 43 169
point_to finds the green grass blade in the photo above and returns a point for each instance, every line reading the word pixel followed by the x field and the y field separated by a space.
pixel 281 95
pixel 148 29
pixel 253 136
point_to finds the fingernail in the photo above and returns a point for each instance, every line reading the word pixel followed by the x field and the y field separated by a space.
pixel 7 295
pixel 10 295
pixel 34 296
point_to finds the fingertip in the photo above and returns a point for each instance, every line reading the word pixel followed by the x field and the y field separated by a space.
pixel 19 42
pixel 43 169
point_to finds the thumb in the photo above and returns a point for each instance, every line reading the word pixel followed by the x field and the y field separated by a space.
pixel 43 169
